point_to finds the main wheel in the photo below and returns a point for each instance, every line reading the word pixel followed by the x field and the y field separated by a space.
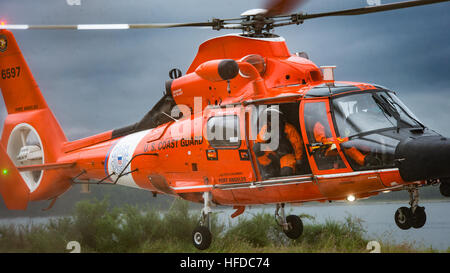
pixel 201 237
pixel 419 217
pixel 403 218
pixel 295 227
pixel 444 188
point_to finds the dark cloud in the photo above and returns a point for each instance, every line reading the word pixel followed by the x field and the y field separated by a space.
pixel 96 81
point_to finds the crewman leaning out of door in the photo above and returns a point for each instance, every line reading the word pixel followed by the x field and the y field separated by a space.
pixel 287 158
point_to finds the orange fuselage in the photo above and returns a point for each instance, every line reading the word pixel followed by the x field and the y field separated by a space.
pixel 176 158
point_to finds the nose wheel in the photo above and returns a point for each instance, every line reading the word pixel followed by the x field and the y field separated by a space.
pixel 292 225
pixel 403 218
pixel 415 216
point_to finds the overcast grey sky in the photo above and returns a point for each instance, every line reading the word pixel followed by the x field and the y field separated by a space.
pixel 96 81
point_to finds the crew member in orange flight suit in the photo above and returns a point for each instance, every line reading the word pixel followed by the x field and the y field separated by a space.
pixel 289 162
pixel 266 159
pixel 289 152
pixel 353 153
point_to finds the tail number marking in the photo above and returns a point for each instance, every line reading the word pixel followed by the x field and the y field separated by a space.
pixel 12 72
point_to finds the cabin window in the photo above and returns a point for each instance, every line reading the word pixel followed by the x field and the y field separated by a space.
pixel 222 132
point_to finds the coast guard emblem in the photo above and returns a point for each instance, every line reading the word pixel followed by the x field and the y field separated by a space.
pixel 3 43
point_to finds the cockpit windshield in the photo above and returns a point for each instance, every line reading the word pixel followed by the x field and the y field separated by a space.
pixel 361 113
pixel 406 116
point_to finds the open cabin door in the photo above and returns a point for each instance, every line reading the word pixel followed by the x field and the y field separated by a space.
pixel 275 141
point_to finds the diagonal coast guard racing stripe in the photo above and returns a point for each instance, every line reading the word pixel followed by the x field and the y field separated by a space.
pixel 121 155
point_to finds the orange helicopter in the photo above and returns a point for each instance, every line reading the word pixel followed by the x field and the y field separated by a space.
pixel 249 123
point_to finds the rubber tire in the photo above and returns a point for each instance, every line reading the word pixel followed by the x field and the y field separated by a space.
pixel 419 218
pixel 403 222
pixel 444 188
pixel 201 237
pixel 296 225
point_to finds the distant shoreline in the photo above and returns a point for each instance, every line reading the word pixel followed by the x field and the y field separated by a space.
pixel 194 206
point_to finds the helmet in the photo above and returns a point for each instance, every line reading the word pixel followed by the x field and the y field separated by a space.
pixel 268 118
pixel 271 112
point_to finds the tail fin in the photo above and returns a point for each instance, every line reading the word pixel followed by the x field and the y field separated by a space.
pixel 12 186
pixel 19 89
pixel 31 133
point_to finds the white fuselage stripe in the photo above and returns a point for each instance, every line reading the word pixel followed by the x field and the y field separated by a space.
pixel 192 187
pixel 355 173
pixel 121 155
pixel 237 187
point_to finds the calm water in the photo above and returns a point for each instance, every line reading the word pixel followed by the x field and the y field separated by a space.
pixel 378 220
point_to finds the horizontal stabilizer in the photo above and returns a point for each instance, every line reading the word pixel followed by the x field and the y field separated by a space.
pixel 13 188
pixel 43 167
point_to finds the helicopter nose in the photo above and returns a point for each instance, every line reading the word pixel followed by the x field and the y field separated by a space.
pixel 423 158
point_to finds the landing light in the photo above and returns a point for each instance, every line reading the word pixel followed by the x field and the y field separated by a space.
pixel 351 198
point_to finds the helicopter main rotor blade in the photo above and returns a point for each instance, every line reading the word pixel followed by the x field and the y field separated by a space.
pixel 109 26
pixel 279 7
pixel 272 18
pixel 371 9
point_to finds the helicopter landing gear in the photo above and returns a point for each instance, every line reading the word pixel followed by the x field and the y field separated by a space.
pixel 201 236
pixel 292 225
pixel 415 216
pixel 444 188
